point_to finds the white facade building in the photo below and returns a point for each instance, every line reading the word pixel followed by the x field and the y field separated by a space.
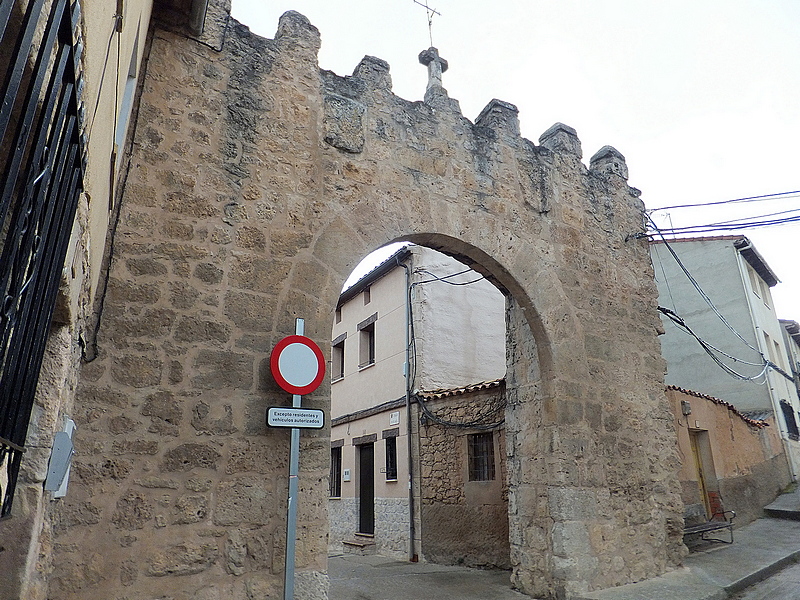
pixel 741 329
pixel 455 333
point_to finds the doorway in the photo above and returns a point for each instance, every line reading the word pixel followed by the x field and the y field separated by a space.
pixel 366 489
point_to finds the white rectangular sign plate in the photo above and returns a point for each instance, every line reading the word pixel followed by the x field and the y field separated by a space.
pixel 307 418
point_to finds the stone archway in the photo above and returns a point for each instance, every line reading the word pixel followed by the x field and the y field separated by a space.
pixel 256 183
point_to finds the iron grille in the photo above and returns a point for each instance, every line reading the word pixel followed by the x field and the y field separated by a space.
pixel 42 160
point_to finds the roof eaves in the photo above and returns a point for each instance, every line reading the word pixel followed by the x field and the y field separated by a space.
pixel 382 269
pixel 728 405
pixel 448 392
pixel 752 256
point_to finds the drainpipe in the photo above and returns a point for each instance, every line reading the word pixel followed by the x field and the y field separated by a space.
pixel 412 554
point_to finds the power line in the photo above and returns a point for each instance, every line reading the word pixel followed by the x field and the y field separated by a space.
pixel 764 197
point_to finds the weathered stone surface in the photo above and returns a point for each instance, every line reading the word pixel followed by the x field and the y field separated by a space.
pixel 133 511
pixel 343 124
pixel 256 183
pixel 136 371
pixel 204 422
pixel 221 369
pixel 183 559
pixel 190 456
pixel 247 500
pixel 190 509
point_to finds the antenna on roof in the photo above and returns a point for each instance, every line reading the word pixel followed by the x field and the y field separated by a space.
pixel 430 11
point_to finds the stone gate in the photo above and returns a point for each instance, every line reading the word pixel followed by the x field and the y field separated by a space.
pixel 256 182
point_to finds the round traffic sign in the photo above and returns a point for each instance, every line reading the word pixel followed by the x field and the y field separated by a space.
pixel 297 364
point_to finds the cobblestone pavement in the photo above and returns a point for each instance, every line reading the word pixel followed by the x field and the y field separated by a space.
pixel 376 577
pixel 784 585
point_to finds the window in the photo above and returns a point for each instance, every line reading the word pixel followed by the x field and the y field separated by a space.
pixel 481 456
pixel 391 459
pixel 336 472
pixel 366 346
pixel 337 357
pixel 791 423
pixel 366 341
pixel 338 316
pixel 367 296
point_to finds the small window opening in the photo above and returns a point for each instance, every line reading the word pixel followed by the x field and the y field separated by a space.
pixel 336 473
pixel 366 346
pixel 481 456
pixel 337 361
pixel 391 459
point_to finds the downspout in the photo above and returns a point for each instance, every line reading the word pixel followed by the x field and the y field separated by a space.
pixel 412 554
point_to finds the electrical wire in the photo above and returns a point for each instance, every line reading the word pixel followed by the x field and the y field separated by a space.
pixel 479 423
pixel 712 350
pixel 703 295
pixel 764 197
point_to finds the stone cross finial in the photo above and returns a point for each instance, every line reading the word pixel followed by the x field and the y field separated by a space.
pixel 436 66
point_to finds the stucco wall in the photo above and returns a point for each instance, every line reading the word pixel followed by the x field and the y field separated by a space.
pixel 747 464
pixel 459 329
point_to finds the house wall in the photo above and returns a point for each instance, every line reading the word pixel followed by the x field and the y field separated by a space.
pixel 391 496
pixel 459 329
pixel 256 184
pixel 364 387
pixel 463 522
pixel 715 264
pixel 747 464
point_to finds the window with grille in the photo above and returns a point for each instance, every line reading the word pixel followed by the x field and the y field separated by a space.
pixel 481 456
pixel 41 181
pixel 336 473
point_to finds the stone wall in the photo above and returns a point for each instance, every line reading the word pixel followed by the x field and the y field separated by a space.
pixel 463 522
pixel 256 184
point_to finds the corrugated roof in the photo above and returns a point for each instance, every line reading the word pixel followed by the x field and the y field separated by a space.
pixel 446 393
pixel 754 422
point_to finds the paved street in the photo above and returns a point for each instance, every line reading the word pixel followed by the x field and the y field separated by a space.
pixel 376 577
pixel 784 585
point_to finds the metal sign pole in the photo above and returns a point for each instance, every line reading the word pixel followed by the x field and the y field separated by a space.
pixel 294 468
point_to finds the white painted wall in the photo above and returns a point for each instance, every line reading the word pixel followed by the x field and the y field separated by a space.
pixel 459 329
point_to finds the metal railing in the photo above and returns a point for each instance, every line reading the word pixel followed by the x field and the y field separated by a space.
pixel 42 161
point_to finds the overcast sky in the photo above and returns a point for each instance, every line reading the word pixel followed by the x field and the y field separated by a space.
pixel 701 96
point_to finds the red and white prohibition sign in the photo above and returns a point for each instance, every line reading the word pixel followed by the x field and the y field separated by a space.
pixel 297 364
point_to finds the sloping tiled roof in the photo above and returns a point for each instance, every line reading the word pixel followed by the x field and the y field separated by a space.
pixel 754 422
pixel 446 393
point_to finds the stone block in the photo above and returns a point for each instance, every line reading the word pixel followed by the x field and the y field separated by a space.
pixel 205 422
pixel 343 123
pixel 136 371
pixel 182 559
pixel 190 456
pixel 244 501
pixel 216 369
pixel 571 504
pixel 133 511
pixel 190 509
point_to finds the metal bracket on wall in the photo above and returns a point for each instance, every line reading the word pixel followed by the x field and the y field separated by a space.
pixel 60 460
